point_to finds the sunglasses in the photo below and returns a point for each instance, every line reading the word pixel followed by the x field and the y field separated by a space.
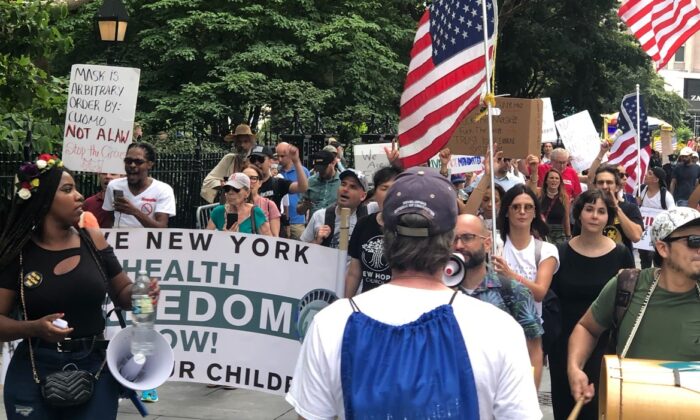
pixel 527 208
pixel 623 175
pixel 137 162
pixel 467 237
pixel 692 241
pixel 228 189
pixel 256 159
pixel 503 160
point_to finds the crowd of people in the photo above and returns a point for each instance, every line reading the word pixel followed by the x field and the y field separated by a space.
pixel 544 292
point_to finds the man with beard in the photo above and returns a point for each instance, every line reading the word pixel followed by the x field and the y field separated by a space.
pixel 660 315
pixel 472 239
pixel 243 143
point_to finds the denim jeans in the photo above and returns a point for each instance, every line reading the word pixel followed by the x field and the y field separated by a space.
pixel 23 398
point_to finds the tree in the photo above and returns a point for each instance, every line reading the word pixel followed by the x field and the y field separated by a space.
pixel 30 96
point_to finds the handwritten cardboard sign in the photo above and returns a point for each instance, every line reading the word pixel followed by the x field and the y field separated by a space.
pixel 580 138
pixel 517 130
pixel 370 157
pixel 99 117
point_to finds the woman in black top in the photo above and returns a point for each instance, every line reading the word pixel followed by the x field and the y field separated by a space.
pixel 554 203
pixel 57 272
pixel 366 248
pixel 586 263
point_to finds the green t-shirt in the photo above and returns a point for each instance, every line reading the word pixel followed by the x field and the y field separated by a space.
pixel 670 329
pixel 218 216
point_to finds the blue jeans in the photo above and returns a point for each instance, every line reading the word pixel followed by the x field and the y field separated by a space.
pixel 23 398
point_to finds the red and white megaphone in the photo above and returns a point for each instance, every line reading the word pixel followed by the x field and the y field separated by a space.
pixel 453 274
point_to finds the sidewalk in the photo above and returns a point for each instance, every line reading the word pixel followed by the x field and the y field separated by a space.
pixel 189 401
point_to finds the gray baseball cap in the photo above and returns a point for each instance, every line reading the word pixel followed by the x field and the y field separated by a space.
pixel 667 222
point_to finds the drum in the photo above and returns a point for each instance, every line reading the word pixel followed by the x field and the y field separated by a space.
pixel 648 389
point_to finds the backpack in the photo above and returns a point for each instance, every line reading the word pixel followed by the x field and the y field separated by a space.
pixel 329 220
pixel 662 191
pixel 626 283
pixel 551 310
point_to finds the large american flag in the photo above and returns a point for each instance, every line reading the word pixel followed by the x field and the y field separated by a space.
pixel 661 26
pixel 624 150
pixel 445 77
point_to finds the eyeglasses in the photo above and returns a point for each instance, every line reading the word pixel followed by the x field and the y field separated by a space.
pixel 527 208
pixel 692 241
pixel 506 160
pixel 256 159
pixel 467 237
pixel 137 162
pixel 254 178
pixel 228 189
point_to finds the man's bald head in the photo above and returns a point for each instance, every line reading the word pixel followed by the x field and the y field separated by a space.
pixel 282 150
pixel 471 224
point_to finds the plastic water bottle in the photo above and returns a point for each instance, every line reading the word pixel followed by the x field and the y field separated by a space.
pixel 143 315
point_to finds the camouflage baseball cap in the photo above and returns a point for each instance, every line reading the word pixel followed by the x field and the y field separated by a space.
pixel 667 222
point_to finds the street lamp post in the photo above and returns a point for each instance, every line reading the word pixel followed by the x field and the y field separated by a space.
pixel 111 20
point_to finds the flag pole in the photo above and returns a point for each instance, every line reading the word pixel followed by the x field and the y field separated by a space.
pixel 639 152
pixel 487 68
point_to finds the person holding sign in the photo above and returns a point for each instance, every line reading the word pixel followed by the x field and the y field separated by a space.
pixel 239 214
pixel 57 277
pixel 138 200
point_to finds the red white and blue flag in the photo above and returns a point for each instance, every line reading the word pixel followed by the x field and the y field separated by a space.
pixel 624 149
pixel 445 77
pixel 661 26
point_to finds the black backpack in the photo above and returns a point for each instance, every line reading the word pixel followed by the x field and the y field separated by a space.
pixel 329 219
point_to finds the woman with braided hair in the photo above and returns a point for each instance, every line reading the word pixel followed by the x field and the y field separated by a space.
pixel 51 271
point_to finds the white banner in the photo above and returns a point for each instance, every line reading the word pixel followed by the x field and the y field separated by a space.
pixel 648 215
pixel 580 138
pixel 99 117
pixel 232 306
pixel 549 130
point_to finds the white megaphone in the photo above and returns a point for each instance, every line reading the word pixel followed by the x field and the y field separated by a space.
pixel 133 371
pixel 453 274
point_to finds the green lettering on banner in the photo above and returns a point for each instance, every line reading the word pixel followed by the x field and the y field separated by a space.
pixel 242 310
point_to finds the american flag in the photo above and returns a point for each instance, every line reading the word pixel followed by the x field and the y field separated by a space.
pixel 661 26
pixel 624 150
pixel 445 76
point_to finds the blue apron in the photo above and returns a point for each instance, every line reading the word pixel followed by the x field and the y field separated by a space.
pixel 420 370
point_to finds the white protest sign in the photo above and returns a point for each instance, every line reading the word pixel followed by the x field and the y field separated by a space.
pixel 99 117
pixel 232 306
pixel 549 130
pixel 460 164
pixel 648 215
pixel 580 139
pixel 369 158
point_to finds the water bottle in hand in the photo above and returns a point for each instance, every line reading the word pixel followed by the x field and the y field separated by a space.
pixel 143 315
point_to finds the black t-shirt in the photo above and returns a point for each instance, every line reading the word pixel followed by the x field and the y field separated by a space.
pixel 615 231
pixel 274 189
pixel 553 210
pixel 79 293
pixel 367 245
pixel 685 176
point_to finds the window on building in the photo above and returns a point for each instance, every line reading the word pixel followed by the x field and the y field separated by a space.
pixel 680 54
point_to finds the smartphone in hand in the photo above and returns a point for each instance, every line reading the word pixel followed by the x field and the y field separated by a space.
pixel 118 194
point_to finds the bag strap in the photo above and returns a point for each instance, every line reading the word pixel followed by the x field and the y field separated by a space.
pixel 253 228
pixel 538 251
pixel 663 198
pixel 626 284
pixel 329 220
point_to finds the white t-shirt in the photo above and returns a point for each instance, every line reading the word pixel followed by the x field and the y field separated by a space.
pixel 523 261
pixel 495 344
pixel 157 198
pixel 319 217
pixel 654 201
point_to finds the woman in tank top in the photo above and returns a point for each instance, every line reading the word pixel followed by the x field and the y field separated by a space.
pixel 49 270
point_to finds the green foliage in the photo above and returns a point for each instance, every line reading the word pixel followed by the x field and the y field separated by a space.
pixel 683 134
pixel 29 95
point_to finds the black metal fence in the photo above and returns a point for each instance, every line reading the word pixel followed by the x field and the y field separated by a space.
pixel 182 171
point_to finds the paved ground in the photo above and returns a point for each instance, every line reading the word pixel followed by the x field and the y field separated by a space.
pixel 186 401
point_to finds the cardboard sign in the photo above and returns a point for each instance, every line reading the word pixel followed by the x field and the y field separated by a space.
pixel 580 138
pixel 226 323
pixel 549 130
pixel 648 215
pixel 517 131
pixel 99 117
pixel 369 158
pixel 460 164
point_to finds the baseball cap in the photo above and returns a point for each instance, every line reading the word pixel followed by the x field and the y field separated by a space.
pixel 262 151
pixel 667 222
pixel 359 176
pixel 322 158
pixel 425 192
pixel 686 151
pixel 331 149
pixel 238 180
